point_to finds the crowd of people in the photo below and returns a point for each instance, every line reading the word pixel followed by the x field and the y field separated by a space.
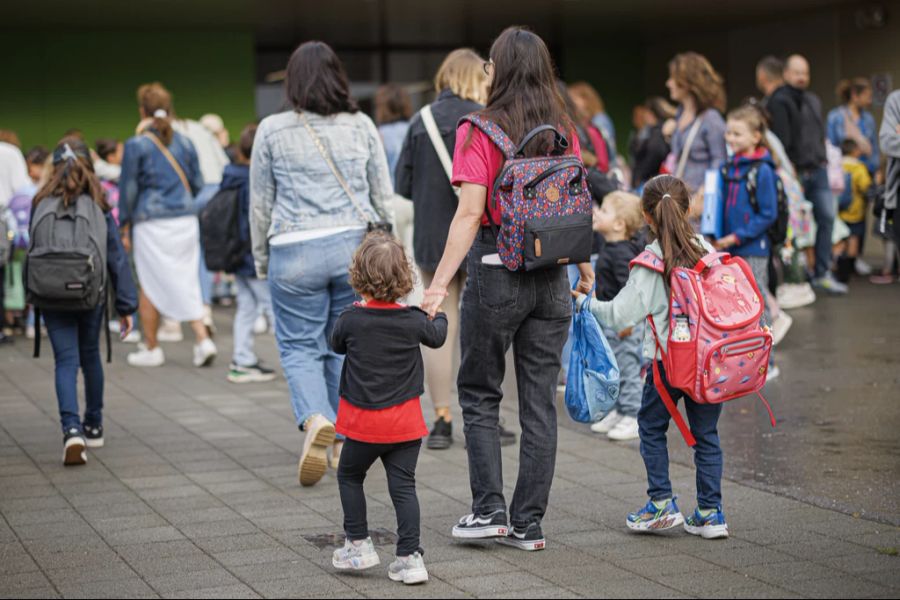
pixel 336 217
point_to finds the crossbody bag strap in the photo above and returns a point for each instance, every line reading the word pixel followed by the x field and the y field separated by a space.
pixel 438 142
pixel 686 151
pixel 174 163
pixel 337 174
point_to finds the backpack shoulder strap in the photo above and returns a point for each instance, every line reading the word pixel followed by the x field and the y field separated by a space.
pixel 494 132
pixel 752 177
pixel 648 260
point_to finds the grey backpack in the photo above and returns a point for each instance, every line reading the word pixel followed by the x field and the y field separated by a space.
pixel 65 268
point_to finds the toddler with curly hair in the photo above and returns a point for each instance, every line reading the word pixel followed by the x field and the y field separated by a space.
pixel 379 412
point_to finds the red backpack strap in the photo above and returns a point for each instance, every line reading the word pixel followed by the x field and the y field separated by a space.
pixel 494 132
pixel 648 260
pixel 768 408
pixel 664 392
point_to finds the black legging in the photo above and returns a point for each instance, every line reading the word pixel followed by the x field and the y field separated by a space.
pixel 399 462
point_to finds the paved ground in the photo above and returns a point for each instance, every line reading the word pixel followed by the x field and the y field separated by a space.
pixel 196 495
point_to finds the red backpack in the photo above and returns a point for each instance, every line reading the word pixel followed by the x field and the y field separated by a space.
pixel 717 350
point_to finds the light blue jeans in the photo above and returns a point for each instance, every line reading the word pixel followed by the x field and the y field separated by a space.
pixel 253 299
pixel 628 357
pixel 310 289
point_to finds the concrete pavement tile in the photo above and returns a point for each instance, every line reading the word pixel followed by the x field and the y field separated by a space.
pixel 258 556
pixel 9 505
pixel 123 588
pixel 36 517
pixel 192 580
pixel 40 531
pixel 36 592
pixel 173 565
pixel 823 548
pixel 145 551
pixel 548 592
pixel 252 541
pixel 286 569
pixel 219 528
pixel 76 574
pixel 863 562
pixel 497 583
pixel 202 515
pixel 843 586
pixel 116 524
pixel 890 578
pixel 781 573
pixel 146 536
pixel 12 583
pixel 229 591
pixel 315 586
pixel 627 588
pixel 17 563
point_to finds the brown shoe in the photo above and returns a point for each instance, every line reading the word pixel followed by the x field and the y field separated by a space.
pixel 314 459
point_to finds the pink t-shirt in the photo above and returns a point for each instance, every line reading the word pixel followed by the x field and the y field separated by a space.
pixel 480 161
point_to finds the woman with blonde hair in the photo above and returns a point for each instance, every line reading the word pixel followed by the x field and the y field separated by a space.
pixel 698 139
pixel 423 175
pixel 159 181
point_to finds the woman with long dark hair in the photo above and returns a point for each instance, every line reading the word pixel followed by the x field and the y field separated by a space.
pixel 317 177
pixel 500 308
pixel 75 335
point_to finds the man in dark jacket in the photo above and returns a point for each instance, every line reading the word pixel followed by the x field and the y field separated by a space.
pixel 798 123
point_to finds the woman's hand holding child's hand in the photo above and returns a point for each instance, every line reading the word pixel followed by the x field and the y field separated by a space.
pixel 434 297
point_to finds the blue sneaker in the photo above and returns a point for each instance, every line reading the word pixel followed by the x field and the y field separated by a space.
pixel 651 518
pixel 710 527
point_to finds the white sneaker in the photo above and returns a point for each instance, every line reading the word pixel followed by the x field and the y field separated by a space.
pixel 133 338
pixel 29 332
pixel 773 373
pixel 408 569
pixel 780 327
pixel 355 556
pixel 205 353
pixel 169 331
pixel 314 458
pixel 606 424
pixel 862 268
pixel 795 295
pixel 626 429
pixel 260 326
pixel 147 358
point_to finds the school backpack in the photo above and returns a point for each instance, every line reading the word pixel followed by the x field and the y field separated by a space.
pixel 544 202
pixel 20 211
pixel 65 267
pixel 717 350
pixel 220 234
pixel 778 231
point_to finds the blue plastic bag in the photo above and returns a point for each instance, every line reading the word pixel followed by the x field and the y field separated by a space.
pixel 592 384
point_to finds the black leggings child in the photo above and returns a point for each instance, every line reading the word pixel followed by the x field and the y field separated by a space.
pixel 399 462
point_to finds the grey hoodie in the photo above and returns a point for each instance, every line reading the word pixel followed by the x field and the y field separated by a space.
pixel 645 293
pixel 890 146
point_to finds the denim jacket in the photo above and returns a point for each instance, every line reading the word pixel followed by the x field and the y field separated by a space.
pixel 292 188
pixel 149 187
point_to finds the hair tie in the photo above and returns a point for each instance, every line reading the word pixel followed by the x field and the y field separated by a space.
pixel 64 153
pixel 669 196
pixel 160 113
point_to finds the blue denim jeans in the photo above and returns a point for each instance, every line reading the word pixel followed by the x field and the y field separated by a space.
pixel 253 299
pixel 628 356
pixel 653 422
pixel 75 337
pixel 310 289
pixel 530 312
pixel 206 277
pixel 816 189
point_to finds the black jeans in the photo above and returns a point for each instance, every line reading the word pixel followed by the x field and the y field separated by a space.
pixel 531 313
pixel 399 462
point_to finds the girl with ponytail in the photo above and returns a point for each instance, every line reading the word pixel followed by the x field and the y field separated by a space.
pixel 666 204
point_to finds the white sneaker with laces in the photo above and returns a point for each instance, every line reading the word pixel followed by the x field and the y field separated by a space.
pixel 862 268
pixel 355 556
pixel 626 429
pixel 205 353
pixel 169 332
pixel 780 327
pixel 145 357
pixel 133 338
pixel 795 295
pixel 408 569
pixel 260 326
pixel 606 424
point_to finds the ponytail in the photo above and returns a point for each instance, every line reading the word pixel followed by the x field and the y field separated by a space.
pixel 155 102
pixel 72 175
pixel 667 200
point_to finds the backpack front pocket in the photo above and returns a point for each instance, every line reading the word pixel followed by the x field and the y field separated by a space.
pixel 735 367
pixel 559 240
pixel 61 276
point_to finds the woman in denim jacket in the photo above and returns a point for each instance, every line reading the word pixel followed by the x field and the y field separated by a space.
pixel 160 176
pixel 305 227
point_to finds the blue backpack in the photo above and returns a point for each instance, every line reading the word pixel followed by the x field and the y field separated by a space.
pixel 592 384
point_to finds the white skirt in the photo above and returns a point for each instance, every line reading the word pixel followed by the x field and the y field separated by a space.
pixel 167 260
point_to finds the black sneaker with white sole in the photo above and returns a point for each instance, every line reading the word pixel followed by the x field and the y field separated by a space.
pixel 473 527
pixel 93 435
pixel 530 538
pixel 73 448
